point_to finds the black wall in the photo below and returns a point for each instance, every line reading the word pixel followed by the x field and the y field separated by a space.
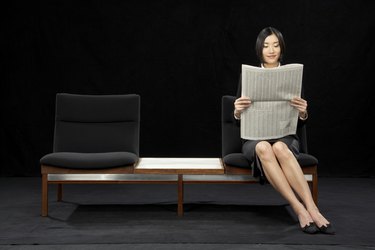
pixel 181 57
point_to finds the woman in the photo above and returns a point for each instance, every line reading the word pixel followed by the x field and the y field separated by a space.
pixel 276 159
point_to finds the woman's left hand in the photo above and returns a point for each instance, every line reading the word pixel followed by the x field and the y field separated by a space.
pixel 299 104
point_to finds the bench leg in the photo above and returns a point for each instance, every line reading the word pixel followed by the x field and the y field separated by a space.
pixel 59 192
pixel 180 189
pixel 315 188
pixel 44 195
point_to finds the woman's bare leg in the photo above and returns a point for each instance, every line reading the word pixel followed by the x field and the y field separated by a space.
pixel 276 177
pixel 293 173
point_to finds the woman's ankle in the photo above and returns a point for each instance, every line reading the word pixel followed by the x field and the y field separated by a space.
pixel 318 218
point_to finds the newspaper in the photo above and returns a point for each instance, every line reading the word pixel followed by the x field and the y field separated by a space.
pixel 270 90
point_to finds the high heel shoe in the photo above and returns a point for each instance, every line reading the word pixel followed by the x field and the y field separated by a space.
pixel 310 228
pixel 327 229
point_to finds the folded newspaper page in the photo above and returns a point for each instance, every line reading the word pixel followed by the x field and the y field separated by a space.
pixel 270 90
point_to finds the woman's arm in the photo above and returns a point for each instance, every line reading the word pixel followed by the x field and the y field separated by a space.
pixel 241 104
pixel 300 104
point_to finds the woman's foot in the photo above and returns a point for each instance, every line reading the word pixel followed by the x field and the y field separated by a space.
pixel 322 223
pixel 306 223
pixel 310 228
pixel 327 229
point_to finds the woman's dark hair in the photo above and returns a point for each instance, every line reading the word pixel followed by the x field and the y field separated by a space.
pixel 263 34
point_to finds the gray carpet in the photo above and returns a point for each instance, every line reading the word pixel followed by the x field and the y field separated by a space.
pixel 134 214
pixel 183 246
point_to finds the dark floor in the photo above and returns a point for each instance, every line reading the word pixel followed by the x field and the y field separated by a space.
pixel 217 216
pixel 184 247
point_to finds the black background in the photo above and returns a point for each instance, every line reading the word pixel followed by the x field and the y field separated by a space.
pixel 181 57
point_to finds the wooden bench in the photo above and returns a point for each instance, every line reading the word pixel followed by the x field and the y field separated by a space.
pixel 178 171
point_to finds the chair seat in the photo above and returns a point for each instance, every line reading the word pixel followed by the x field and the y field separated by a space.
pixel 239 160
pixel 236 160
pixel 306 160
pixel 89 160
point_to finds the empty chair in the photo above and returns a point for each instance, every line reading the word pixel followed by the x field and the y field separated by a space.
pixel 93 134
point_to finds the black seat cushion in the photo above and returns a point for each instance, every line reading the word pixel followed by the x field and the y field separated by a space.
pixel 239 160
pixel 236 160
pixel 306 160
pixel 74 160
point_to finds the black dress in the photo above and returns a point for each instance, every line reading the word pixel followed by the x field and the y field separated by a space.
pixel 248 146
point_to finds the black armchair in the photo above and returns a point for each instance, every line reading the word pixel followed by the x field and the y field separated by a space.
pixel 236 163
pixel 93 134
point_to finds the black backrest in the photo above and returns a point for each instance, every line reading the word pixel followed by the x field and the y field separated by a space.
pixel 97 123
pixel 230 131
pixel 301 132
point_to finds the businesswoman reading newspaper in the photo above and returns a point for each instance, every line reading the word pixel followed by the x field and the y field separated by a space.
pixel 275 159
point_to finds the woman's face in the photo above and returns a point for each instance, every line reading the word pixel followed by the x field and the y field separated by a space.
pixel 271 51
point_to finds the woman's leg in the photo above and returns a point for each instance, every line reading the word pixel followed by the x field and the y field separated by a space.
pixel 293 173
pixel 276 177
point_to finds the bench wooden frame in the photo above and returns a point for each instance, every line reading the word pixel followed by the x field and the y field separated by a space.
pixel 226 171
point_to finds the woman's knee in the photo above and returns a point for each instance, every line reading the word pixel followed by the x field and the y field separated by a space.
pixel 263 149
pixel 281 150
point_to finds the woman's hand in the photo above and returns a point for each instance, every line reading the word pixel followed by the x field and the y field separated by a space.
pixel 240 105
pixel 301 105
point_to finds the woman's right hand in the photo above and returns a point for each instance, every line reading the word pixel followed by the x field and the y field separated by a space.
pixel 240 105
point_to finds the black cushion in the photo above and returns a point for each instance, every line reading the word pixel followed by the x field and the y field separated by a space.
pixel 97 108
pixel 92 137
pixel 97 123
pixel 239 160
pixel 89 160
pixel 307 160
pixel 236 160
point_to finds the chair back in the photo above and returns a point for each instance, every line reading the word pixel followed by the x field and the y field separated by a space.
pixel 230 131
pixel 97 123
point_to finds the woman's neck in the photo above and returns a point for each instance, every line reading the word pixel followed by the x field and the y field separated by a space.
pixel 269 65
